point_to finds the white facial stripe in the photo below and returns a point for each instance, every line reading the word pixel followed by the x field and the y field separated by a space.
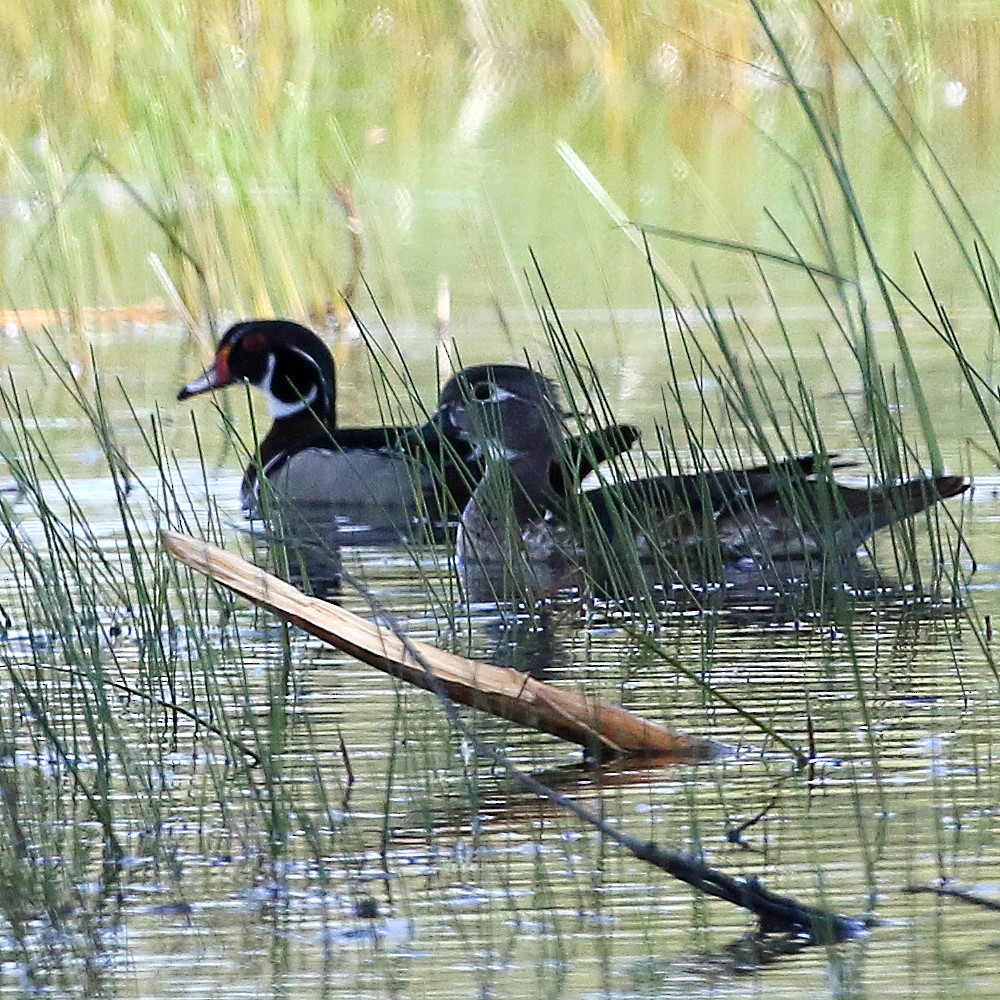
pixel 265 382
pixel 279 408
pixel 497 393
pixel 310 359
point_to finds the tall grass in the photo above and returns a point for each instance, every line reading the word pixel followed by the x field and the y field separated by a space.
pixel 770 406
pixel 119 652
pixel 117 697
pixel 146 717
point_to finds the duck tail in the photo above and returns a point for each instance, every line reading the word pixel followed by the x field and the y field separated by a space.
pixel 869 510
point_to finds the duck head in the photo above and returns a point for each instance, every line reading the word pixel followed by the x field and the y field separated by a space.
pixel 508 411
pixel 287 362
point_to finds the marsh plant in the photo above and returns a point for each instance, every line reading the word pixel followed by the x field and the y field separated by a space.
pixel 159 739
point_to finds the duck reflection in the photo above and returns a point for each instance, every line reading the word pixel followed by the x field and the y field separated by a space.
pixel 304 544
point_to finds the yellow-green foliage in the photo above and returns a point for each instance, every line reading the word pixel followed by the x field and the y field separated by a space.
pixel 236 119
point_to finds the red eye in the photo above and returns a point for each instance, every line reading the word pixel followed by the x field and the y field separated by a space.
pixel 254 342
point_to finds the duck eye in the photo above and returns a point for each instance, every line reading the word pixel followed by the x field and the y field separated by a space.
pixel 482 392
pixel 254 342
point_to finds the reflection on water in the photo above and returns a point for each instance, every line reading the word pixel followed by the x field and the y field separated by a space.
pixel 293 823
pixel 431 875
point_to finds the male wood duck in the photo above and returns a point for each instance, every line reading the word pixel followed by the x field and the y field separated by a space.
pixel 786 510
pixel 308 460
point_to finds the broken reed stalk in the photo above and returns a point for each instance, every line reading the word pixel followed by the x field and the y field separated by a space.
pixel 776 913
pixel 502 691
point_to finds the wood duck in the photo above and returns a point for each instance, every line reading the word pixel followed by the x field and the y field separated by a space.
pixel 308 460
pixel 786 510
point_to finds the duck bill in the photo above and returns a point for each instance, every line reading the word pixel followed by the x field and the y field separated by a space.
pixel 216 376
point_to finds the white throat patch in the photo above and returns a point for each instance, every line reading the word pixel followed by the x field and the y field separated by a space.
pixel 278 407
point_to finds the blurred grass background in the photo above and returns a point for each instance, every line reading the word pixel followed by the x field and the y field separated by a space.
pixel 237 122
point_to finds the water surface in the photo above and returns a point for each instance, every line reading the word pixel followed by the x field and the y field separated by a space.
pixel 430 875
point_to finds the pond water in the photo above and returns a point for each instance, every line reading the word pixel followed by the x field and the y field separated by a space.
pixel 135 700
pixel 430 875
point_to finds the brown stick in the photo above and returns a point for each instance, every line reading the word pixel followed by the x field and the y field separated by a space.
pixel 778 914
pixel 501 691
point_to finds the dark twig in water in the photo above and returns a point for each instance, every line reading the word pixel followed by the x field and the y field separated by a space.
pixel 735 835
pixel 347 759
pixel 777 914
pixel 953 892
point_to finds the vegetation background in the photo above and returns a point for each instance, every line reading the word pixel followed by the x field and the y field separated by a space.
pixel 174 797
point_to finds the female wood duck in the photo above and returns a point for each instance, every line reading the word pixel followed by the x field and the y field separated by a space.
pixel 787 510
pixel 308 460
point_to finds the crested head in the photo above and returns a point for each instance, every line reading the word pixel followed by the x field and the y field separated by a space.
pixel 479 382
pixel 286 361
pixel 508 410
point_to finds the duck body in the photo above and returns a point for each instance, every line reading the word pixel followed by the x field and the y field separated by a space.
pixel 305 457
pixel 383 477
pixel 689 525
pixel 791 510
pixel 508 545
